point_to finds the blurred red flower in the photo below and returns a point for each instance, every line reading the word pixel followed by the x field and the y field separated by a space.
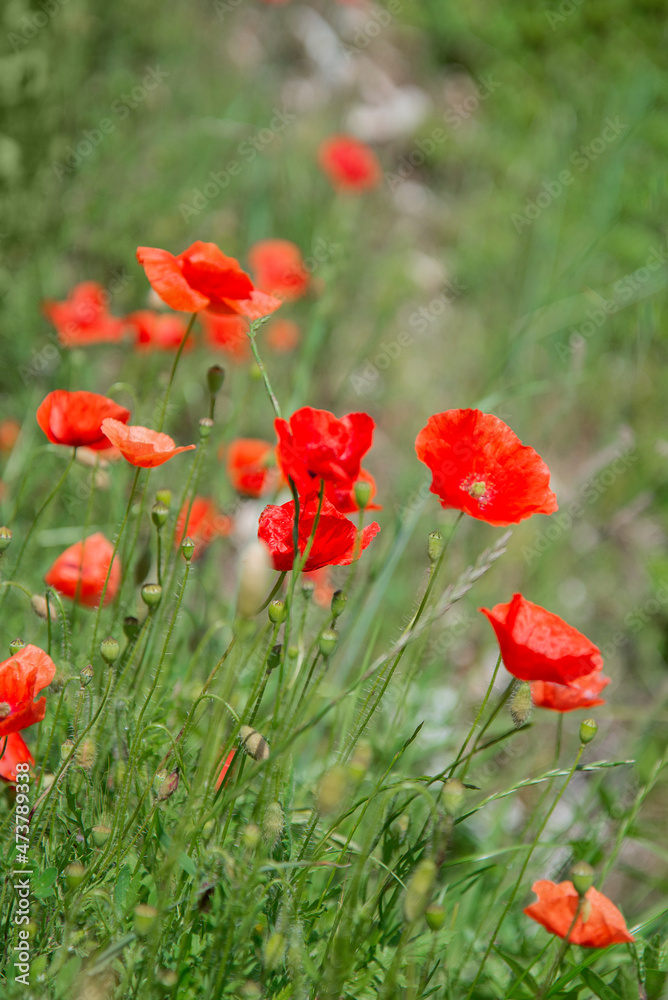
pixel 157 331
pixel 15 752
pixel 80 571
pixel 314 445
pixel 481 467
pixel 9 433
pixel 582 693
pixel 205 523
pixel 343 497
pixel 334 541
pixel 282 335
pixel 202 277
pixel 350 164
pixel 141 446
pixel 599 923
pixel 22 677
pixel 75 418
pixel 83 317
pixel 323 591
pixel 251 466
pixel 537 645
pixel 227 333
pixel 279 268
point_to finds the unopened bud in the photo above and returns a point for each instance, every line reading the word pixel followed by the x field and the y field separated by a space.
pixel 188 548
pixel 293 652
pixel 274 657
pixel 215 377
pixel 151 593
pixel 144 919
pixel 205 428
pixel 277 612
pixel 520 704
pixel 362 493
pixel 418 890
pixel 15 645
pixel 66 750
pixel 5 538
pixel 338 605
pixel 130 628
pixel 327 641
pixel 251 835
pixel 435 916
pixel 164 496
pixel 254 576
pixel 168 786
pixel 109 649
pixel 308 586
pixel 100 835
pixel 273 822
pixel 582 876
pixel 86 675
pixel 435 546
pixel 452 796
pixel 253 743
pixel 159 514
pixel 42 608
pixel 273 951
pixel 332 789
pixel 74 875
pixel 588 730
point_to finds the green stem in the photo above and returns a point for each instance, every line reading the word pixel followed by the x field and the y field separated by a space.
pixel 560 954
pixel 252 330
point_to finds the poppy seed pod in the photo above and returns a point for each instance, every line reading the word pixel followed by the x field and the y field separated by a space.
pixel 159 514
pixel 254 578
pixel 362 493
pixel 419 889
pixel 74 875
pixel 215 377
pixel 15 645
pixel 435 916
pixel 520 704
pixel 151 593
pixel 327 641
pixel 253 743
pixel 5 538
pixel 100 835
pixel 588 730
pixel 144 919
pixel 435 546
pixel 205 428
pixel 5 710
pixel 164 496
pixel 338 605
pixel 188 548
pixel 582 876
pixel 86 675
pixel 277 612
pixel 109 649
pixel 273 822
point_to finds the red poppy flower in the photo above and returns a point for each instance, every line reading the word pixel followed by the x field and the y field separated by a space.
pixel 343 497
pixel 251 466
pixel 282 335
pixel 323 590
pixel 225 768
pixel 279 268
pixel 315 445
pixel 227 333
pixel 537 645
pixel 350 164
pixel 335 536
pixel 75 418
pixel 204 524
pixel 599 923
pixel 141 446
pixel 22 677
pixel 15 752
pixel 80 571
pixel 202 277
pixel 561 698
pixel 83 318
pixel 481 467
pixel 157 331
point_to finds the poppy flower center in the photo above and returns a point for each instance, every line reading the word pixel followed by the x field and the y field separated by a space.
pixel 5 709
pixel 478 489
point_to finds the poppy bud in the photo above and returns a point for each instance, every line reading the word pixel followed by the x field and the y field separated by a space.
pixel 159 514
pixel 582 877
pixel 66 749
pixel 435 916
pixel 327 641
pixel 254 577
pixel 100 835
pixel 215 377
pixel 273 822
pixel 274 657
pixel 5 709
pixel 520 703
pixel 332 789
pixel 151 594
pixel 362 493
pixel 588 730
pixel 144 918
pixel 188 548
pixel 43 610
pixel 253 743
pixel 130 628
pixel 277 612
pixel 251 835
pixel 273 951
pixel 452 796
pixel 5 538
pixel 74 875
pixel 308 586
pixel 254 372
pixel 435 546
pixel 164 496
pixel 15 645
pixel 338 605
pixel 419 889
pixel 168 786
pixel 86 675
pixel 205 428
pixel 293 652
pixel 109 649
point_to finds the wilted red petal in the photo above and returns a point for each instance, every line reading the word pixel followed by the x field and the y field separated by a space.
pixel 600 925
pixel 141 446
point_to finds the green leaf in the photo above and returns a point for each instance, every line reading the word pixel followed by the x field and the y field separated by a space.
pixel 43 884
pixel 121 888
pixel 188 865
pixel 598 987
pixel 655 981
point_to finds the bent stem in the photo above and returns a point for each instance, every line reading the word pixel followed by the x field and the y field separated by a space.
pixel 177 358
pixel 254 327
